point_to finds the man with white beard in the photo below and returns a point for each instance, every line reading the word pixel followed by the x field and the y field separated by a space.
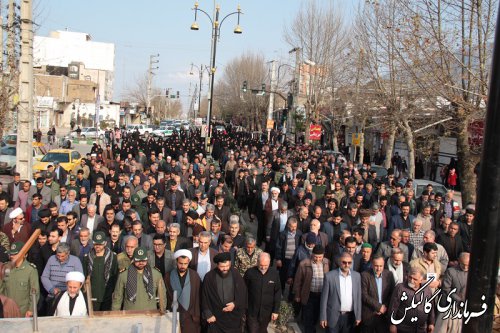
pixel 72 302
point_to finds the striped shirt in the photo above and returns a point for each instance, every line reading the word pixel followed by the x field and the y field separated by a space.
pixel 54 274
pixel 290 245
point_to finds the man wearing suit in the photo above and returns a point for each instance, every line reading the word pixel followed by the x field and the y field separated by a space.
pixel 397 266
pixel 286 249
pixel 5 210
pixel 203 256
pixel 222 212
pixel 161 257
pixel 254 183
pixel 174 241
pixel 14 188
pixel 174 198
pixel 145 240
pixel 277 225
pixel 452 243
pixel 258 212
pixel 395 241
pixel 99 198
pixel 340 306
pixel 402 220
pixel 350 247
pixel 91 220
pixel 41 189
pixel 307 286
pixel 60 175
pixel 377 285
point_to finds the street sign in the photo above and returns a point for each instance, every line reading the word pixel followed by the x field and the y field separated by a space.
pixel 270 124
pixel 315 132
pixel 356 139
pixel 204 131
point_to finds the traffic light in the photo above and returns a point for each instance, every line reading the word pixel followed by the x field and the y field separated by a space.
pixel 289 101
pixel 167 92
pixel 178 94
pixel 245 86
pixel 284 116
pixel 263 87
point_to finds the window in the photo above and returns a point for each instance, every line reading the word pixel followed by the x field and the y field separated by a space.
pixel 75 155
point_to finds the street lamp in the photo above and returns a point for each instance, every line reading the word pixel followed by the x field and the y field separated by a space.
pixel 200 70
pixel 216 25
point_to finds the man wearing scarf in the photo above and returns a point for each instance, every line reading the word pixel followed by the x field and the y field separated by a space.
pixel 72 302
pixel 223 297
pixel 102 267
pixel 137 286
pixel 187 283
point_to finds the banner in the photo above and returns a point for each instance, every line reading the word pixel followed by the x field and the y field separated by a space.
pixel 315 132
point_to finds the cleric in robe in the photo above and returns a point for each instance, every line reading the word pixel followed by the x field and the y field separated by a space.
pixel 224 297
pixel 72 302
pixel 187 283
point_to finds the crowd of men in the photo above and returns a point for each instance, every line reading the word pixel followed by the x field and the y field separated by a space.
pixel 144 215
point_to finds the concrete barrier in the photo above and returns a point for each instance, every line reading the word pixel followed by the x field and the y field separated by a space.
pixel 117 321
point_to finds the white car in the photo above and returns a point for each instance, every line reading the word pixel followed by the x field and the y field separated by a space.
pixel 8 158
pixel 143 129
pixel 88 133
pixel 164 131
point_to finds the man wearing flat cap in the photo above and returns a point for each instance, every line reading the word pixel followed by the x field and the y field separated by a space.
pixel 137 286
pixel 22 279
pixel 224 297
pixel 187 283
pixel 72 302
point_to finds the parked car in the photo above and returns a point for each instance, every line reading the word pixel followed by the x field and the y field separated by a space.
pixel 164 131
pixel 419 185
pixel 143 129
pixel 339 157
pixel 68 159
pixel 381 171
pixel 220 129
pixel 88 133
pixel 8 157
pixel 10 139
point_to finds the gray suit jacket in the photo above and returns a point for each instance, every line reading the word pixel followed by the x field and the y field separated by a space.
pixel 46 194
pixel 168 260
pixel 330 297
pixel 98 219
pixel 385 250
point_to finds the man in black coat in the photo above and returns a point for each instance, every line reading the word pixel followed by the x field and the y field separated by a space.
pixel 264 294
pixel 223 297
pixel 374 309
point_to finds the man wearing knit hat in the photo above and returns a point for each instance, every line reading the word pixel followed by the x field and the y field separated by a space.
pixel 137 286
pixel 72 302
pixel 187 283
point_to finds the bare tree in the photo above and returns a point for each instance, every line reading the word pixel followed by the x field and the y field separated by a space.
pixel 321 34
pixel 161 105
pixel 243 108
pixel 446 48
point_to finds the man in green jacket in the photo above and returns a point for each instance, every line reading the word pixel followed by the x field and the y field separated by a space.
pixel 137 286
pixel 23 278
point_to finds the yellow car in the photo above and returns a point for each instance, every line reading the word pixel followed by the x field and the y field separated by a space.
pixel 68 159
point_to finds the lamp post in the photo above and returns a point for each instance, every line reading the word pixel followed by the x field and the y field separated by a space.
pixel 216 25
pixel 200 72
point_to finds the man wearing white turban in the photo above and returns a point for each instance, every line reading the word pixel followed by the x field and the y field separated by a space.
pixel 187 283
pixel 72 302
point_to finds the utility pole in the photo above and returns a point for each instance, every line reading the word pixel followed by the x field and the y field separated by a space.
pixel 296 88
pixel 152 61
pixel 25 116
pixel 271 97
pixel 13 82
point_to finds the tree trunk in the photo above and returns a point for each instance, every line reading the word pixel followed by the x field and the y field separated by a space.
pixel 390 147
pixel 361 147
pixel 466 161
pixel 411 148
pixel 335 141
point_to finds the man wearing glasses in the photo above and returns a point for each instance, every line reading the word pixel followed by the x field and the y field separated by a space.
pixel 340 306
